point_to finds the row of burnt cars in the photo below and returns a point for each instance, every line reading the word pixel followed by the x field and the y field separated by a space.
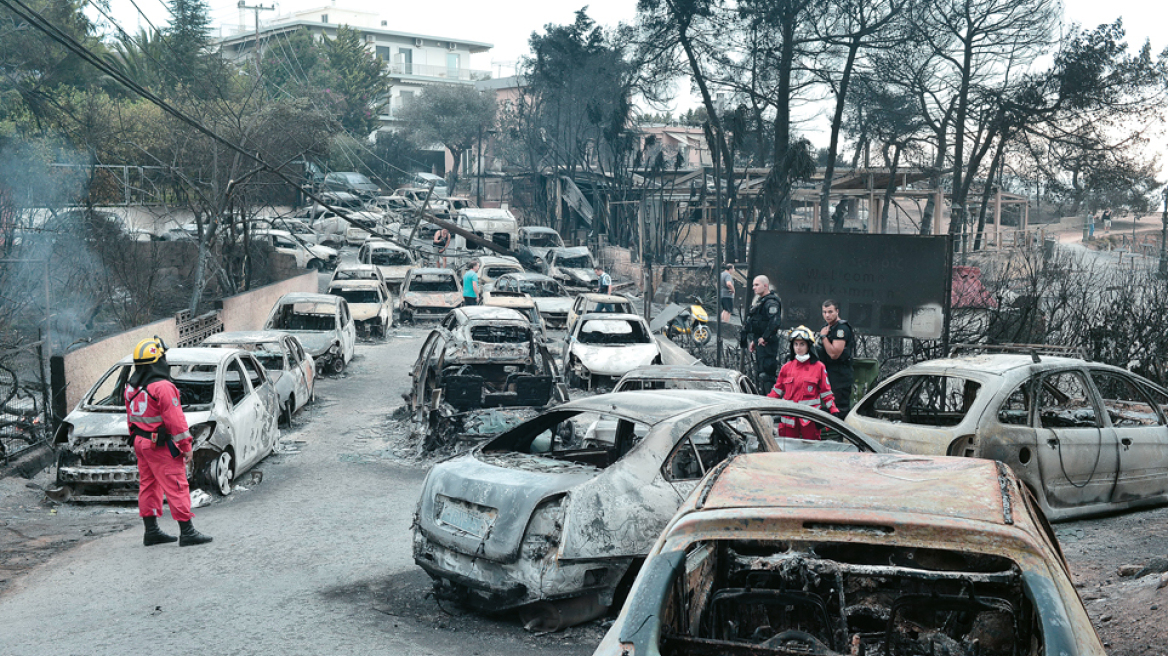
pixel 917 526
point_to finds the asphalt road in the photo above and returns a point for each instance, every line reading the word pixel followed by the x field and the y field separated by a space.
pixel 314 559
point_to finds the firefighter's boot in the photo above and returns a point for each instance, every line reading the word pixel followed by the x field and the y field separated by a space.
pixel 154 535
pixel 188 536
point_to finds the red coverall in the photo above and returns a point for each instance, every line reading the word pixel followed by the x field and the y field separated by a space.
pixel 159 472
pixel 804 383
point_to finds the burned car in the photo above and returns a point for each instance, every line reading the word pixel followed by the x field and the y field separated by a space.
pixel 370 303
pixel 534 521
pixel 594 302
pixel 429 294
pixel 549 296
pixel 481 356
pixel 393 260
pixel 1086 438
pixel 231 407
pixel 521 303
pixel 323 325
pixel 572 267
pixel 771 554
pixel 603 347
pixel 669 377
pixel 291 369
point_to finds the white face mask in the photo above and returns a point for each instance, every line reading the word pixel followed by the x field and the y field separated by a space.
pixel 803 358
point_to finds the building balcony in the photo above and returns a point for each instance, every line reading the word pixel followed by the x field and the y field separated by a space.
pixel 430 71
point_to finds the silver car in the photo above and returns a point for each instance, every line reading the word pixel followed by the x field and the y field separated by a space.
pixel 230 405
pixel 1086 438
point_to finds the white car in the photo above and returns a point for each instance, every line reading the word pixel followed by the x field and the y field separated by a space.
pixel 322 323
pixel 351 271
pixel 297 227
pixel 393 260
pixel 549 296
pixel 369 301
pixel 289 366
pixel 603 347
pixel 308 256
pixel 230 405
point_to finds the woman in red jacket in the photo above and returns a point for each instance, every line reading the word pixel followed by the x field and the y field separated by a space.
pixel 803 380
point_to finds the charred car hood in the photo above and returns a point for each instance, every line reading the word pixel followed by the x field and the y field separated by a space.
pixel 87 424
pixel 316 344
pixel 578 275
pixel 436 299
pixel 364 311
pixel 396 273
pixel 614 360
pixel 559 305
pixel 502 487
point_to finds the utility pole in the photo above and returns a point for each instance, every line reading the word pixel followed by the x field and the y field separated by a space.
pixel 256 10
pixel 1164 238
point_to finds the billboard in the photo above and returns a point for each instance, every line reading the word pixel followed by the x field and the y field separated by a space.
pixel 886 285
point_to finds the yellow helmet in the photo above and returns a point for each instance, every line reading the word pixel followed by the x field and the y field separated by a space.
pixel 804 333
pixel 149 350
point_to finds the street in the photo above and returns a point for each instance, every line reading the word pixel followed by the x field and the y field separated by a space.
pixel 315 559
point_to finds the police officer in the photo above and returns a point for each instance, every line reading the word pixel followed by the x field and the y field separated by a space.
pixel 760 333
pixel 834 350
pixel 162 445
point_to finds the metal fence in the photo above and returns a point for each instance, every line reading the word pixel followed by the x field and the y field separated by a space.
pixel 24 395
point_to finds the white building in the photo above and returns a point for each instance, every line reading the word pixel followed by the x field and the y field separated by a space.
pixel 414 60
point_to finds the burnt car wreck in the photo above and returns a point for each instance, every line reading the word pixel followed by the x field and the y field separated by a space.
pixel 479 357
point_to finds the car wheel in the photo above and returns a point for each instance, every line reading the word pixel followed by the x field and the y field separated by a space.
pixel 286 413
pixel 701 334
pixel 315 265
pixel 220 473
pixel 337 365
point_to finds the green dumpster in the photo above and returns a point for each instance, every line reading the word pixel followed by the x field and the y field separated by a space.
pixel 864 375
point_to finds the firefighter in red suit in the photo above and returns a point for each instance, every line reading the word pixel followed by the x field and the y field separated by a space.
pixel 803 380
pixel 162 445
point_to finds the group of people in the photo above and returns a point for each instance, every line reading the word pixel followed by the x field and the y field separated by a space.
pixel 819 368
pixel 1105 217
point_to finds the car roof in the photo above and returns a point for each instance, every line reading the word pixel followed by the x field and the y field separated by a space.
pixel 680 372
pixel 652 407
pixel 589 316
pixel 382 243
pixel 429 271
pixel 191 355
pixel 357 266
pixel 486 213
pixel 307 297
pixel 604 298
pixel 490 313
pixel 570 251
pixel 244 337
pixel 497 259
pixel 527 275
pixel 544 229
pixel 960 488
pixel 996 363
pixel 360 283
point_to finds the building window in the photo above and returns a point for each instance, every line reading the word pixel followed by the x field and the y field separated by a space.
pixel 405 57
pixel 407 98
pixel 383 53
pixel 324 18
pixel 451 65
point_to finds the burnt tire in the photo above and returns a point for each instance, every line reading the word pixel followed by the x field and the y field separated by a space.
pixel 337 366
pixel 315 265
pixel 286 413
pixel 219 473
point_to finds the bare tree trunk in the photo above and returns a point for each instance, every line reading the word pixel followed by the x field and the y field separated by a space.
pixel 833 146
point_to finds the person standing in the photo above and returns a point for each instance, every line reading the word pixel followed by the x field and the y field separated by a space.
pixel 803 380
pixel 1106 221
pixel 470 284
pixel 726 291
pixel 835 351
pixel 603 280
pixel 761 332
pixel 162 445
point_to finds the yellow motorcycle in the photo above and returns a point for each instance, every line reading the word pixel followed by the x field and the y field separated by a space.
pixel 691 323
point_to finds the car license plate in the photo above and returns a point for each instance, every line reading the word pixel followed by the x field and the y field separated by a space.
pixel 466 517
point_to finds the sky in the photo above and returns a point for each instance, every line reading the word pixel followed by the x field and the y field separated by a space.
pixel 508 25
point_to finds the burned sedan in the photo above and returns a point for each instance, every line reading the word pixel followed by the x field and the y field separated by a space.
pixel 603 347
pixel 914 556
pixel 1086 438
pixel 231 407
pixel 429 294
pixel 288 365
pixel 549 296
pixel 323 325
pixel 536 521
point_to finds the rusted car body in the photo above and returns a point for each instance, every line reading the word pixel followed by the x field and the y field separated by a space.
pixel 603 347
pixel 290 367
pixel 429 294
pixel 855 554
pixel 369 301
pixel 322 323
pixel 664 377
pixel 536 241
pixel 521 303
pixel 573 267
pixel 550 296
pixel 1086 438
pixel 493 267
pixel 393 260
pixel 537 521
pixel 230 405
pixel 481 356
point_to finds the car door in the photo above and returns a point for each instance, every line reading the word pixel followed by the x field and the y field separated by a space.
pixel 245 412
pixel 348 332
pixel 704 447
pixel 268 402
pixel 298 370
pixel 1076 452
pixel 1141 433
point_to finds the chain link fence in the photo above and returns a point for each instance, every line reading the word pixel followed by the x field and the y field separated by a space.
pixel 24 394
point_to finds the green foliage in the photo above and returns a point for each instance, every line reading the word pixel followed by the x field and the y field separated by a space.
pixel 359 83
pixel 454 115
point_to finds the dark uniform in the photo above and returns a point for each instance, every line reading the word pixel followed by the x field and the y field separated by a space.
pixel 763 323
pixel 839 372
